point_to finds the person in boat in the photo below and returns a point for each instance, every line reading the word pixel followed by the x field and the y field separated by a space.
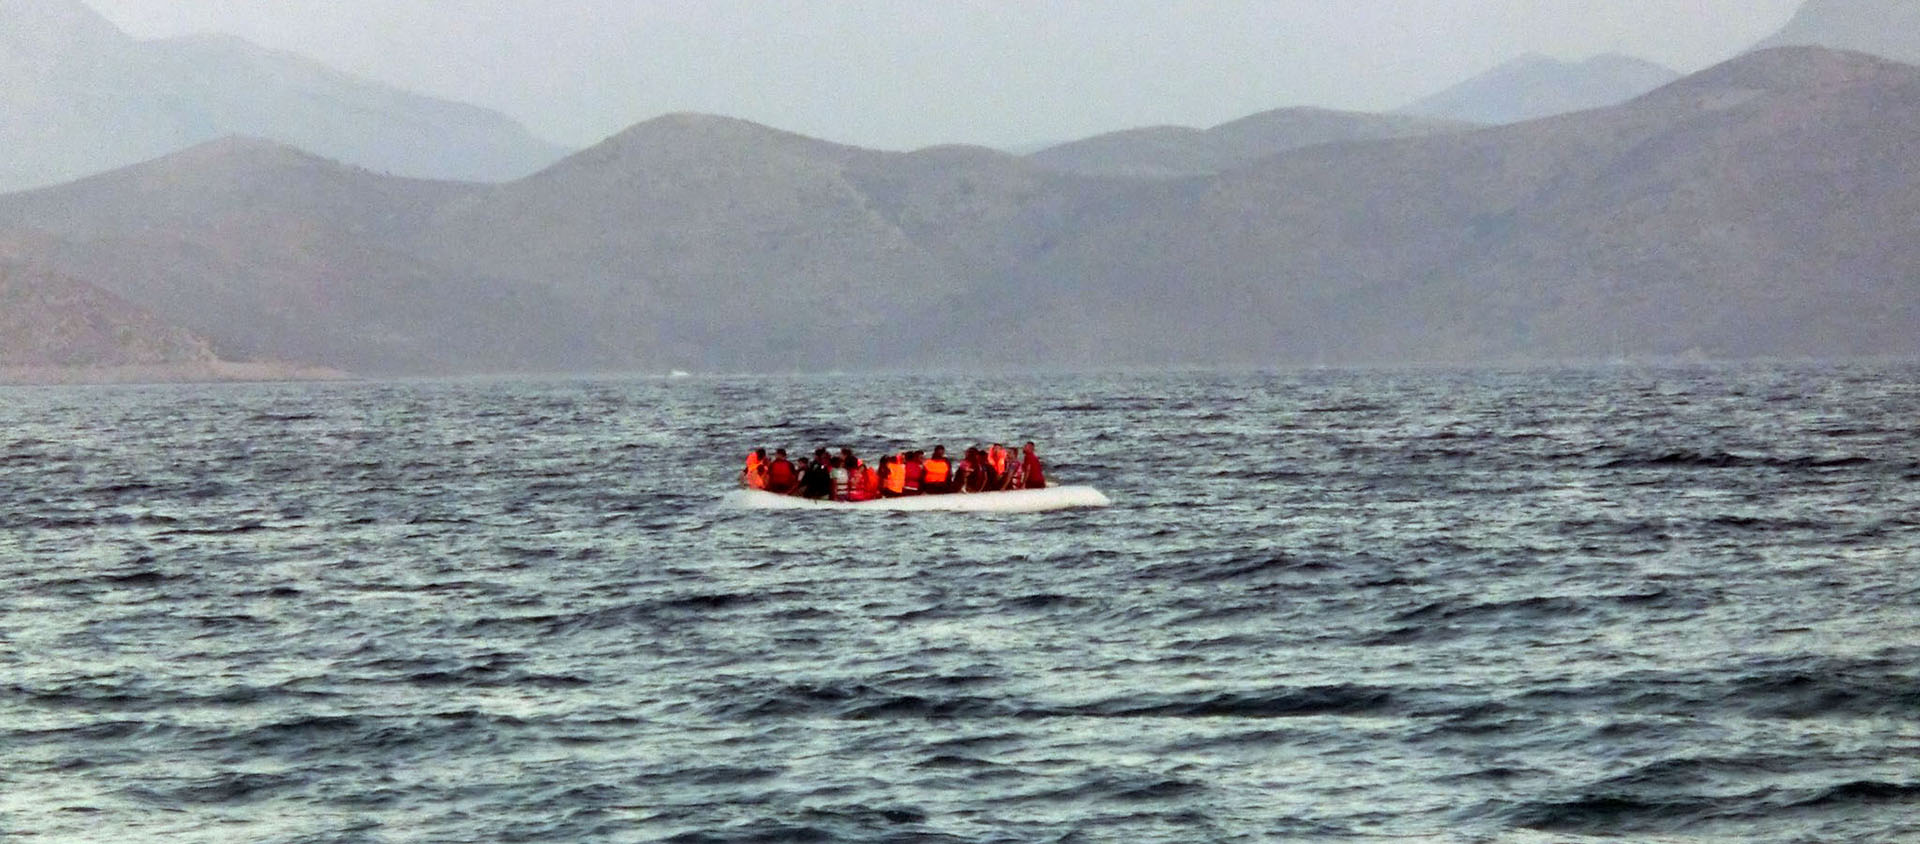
pixel 893 477
pixel 916 472
pixel 937 473
pixel 1016 478
pixel 842 478
pixel 816 482
pixel 1033 475
pixel 864 482
pixel 999 459
pixel 975 476
pixel 755 475
pixel 781 477
pixel 958 481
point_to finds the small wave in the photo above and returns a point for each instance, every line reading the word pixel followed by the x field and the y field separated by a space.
pixel 143 577
pixel 1044 601
pixel 245 527
pixel 1614 814
pixel 1117 789
pixel 1730 460
pixel 227 788
pixel 709 602
pixel 823 824
pixel 1824 694
pixel 1451 610
pixel 1862 793
pixel 1278 703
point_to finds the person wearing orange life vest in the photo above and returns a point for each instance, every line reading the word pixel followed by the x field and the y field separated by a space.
pixel 916 473
pixel 755 475
pixel 893 477
pixel 997 463
pixel 937 472
pixel 781 477
pixel 866 483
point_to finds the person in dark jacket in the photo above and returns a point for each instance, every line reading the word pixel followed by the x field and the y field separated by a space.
pixel 817 481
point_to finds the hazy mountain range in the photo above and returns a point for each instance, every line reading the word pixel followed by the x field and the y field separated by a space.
pixel 1532 87
pixel 81 97
pixel 1164 151
pixel 1889 28
pixel 1762 207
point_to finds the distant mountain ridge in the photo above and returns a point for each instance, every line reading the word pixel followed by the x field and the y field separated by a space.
pixel 1749 210
pixel 1888 28
pixel 1534 86
pixel 1172 151
pixel 82 98
pixel 1758 208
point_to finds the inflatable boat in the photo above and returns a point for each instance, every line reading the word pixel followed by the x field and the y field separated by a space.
pixel 1012 501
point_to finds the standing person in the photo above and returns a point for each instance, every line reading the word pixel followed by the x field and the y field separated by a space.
pixel 1033 475
pixel 938 472
pixel 816 483
pixel 781 477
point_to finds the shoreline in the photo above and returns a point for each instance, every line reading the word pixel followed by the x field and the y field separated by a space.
pixel 213 372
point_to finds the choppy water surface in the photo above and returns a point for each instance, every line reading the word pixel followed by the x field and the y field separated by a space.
pixel 1669 604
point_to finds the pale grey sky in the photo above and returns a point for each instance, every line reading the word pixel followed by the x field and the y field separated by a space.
pixel 907 73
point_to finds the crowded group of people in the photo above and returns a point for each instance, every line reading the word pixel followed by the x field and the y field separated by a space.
pixel 845 477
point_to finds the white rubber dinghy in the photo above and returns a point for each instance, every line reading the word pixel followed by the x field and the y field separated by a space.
pixel 1016 501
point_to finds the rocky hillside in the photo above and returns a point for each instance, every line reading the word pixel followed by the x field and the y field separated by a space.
pixel 275 254
pixel 50 320
pixel 81 98
pixel 1533 87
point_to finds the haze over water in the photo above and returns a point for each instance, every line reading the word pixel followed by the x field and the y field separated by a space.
pixel 1641 604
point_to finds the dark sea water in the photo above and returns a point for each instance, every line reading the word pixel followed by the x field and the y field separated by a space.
pixel 1612 604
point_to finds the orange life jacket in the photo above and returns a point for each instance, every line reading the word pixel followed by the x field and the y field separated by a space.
pixel 866 484
pixel 896 479
pixel 756 473
pixel 937 471
pixel 997 458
